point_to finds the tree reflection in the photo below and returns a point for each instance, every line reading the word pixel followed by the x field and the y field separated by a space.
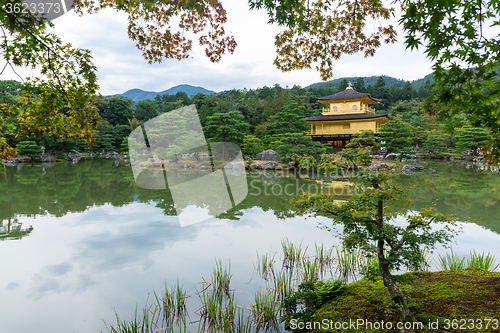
pixel 63 188
pixel 13 230
pixel 457 188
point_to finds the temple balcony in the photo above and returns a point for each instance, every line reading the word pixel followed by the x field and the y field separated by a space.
pixel 338 131
pixel 327 111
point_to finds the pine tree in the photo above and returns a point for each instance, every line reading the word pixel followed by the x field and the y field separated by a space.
pixel 472 138
pixel 29 148
pixel 299 144
pixel 396 137
pixel 407 91
pixel 359 85
pixel 343 85
pixel 288 120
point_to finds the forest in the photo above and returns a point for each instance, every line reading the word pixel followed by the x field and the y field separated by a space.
pixel 264 118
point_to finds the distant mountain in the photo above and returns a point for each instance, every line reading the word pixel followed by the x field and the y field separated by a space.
pixel 370 81
pixel 137 95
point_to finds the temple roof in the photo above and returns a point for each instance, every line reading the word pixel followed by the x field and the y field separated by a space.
pixel 347 94
pixel 347 116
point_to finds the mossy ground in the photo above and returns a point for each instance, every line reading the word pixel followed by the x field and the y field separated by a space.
pixel 471 294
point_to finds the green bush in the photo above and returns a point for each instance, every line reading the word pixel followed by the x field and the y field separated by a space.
pixel 29 148
pixel 308 298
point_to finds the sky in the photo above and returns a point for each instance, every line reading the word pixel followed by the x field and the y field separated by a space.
pixel 121 66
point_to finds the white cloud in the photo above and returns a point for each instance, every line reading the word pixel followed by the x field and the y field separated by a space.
pixel 121 66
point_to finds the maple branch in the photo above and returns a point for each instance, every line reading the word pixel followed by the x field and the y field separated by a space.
pixel 8 62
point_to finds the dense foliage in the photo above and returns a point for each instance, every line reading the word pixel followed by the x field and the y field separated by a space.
pixel 264 118
pixel 309 297
pixel 458 36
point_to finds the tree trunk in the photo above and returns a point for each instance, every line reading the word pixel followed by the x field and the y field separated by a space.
pixel 396 293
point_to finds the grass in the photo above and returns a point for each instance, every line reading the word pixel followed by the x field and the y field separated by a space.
pixel 283 283
pixel 454 292
pixel 218 307
pixel 292 253
pixel 221 278
pixel 348 262
pixel 265 311
pixel 452 262
pixel 310 270
pixel 432 297
pixel 146 324
pixel 324 257
pixel 482 261
pixel 173 304
pixel 265 264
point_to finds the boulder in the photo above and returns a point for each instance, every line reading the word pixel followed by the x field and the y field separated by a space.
pixel 269 165
pixel 10 162
pixel 74 156
pixel 391 156
pixel 235 166
pixel 413 167
pixel 383 165
pixel 268 155
pixel 46 158
pixel 431 170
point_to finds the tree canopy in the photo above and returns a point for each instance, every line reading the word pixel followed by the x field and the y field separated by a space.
pixel 458 36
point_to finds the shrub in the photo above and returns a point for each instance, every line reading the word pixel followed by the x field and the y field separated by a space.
pixel 308 298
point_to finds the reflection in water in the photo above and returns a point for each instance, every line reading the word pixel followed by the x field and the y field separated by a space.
pixel 62 188
pixel 13 230
pixel 98 243
pixel 457 189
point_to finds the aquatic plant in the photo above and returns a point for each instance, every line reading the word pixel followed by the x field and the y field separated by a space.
pixel 483 261
pixel 265 264
pixel 324 257
pixel 451 262
pixel 265 311
pixel 282 283
pixel 348 262
pixel 292 254
pixel 310 270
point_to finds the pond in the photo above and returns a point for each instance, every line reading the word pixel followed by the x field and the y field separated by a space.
pixel 82 241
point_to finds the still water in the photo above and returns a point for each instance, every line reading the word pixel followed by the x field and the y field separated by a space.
pixel 81 241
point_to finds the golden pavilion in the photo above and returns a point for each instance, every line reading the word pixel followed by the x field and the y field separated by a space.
pixel 344 114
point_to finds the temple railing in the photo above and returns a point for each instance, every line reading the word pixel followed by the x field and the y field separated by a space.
pixel 332 132
pixel 348 110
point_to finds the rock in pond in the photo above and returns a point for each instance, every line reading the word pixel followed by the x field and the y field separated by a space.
pixel 269 165
pixel 268 155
